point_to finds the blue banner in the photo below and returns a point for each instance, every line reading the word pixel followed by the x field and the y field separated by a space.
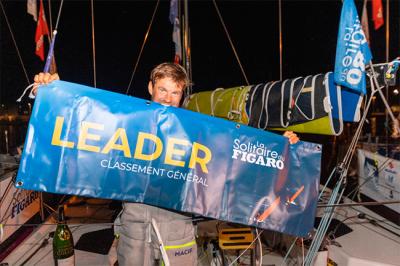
pixel 352 50
pixel 96 143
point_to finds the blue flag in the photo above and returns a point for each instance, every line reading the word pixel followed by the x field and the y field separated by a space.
pixel 173 11
pixel 176 34
pixel 352 50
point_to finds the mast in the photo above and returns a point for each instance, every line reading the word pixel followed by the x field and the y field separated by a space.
pixel 280 39
pixel 186 56
pixel 93 44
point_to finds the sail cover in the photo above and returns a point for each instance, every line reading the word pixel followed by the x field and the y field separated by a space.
pixel 312 104
pixel 91 142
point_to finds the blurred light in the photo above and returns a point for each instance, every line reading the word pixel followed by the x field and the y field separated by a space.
pixel 396 91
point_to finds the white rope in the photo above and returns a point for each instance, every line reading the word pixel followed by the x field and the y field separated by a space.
pixel 249 246
pixel 141 48
pixel 230 41
pixel 212 105
pixel 30 93
pixel 260 244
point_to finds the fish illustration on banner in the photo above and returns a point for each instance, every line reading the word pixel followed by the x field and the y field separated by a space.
pixel 352 50
pixel 96 143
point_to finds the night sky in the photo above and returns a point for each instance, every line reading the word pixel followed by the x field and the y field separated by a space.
pixel 309 42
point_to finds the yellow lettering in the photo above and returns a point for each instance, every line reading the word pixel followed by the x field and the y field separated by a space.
pixel 84 135
pixel 140 143
pixel 171 151
pixel 202 161
pixel 56 139
pixel 124 146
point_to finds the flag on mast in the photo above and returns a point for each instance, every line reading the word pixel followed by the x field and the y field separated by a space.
pixel 31 8
pixel 364 21
pixel 176 33
pixel 377 13
pixel 352 50
pixel 41 30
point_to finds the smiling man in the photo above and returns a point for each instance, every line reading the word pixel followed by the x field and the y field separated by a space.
pixel 138 242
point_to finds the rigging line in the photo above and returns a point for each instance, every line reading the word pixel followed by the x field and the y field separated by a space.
pixel 59 15
pixel 350 152
pixel 326 220
pixel 141 48
pixel 51 49
pixel 231 43
pixel 389 110
pixel 13 200
pixel 93 44
pixel 50 19
pixel 368 203
pixel 380 233
pixel 378 221
pixel 15 43
pixel 370 177
pixel 288 252
pixel 2 199
pixel 44 243
pixel 387 39
pixel 354 140
pixel 249 246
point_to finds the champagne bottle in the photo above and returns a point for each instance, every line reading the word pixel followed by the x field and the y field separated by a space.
pixel 63 244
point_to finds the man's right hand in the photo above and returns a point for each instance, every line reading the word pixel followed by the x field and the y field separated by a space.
pixel 42 79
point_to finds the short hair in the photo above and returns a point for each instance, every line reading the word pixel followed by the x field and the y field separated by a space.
pixel 170 70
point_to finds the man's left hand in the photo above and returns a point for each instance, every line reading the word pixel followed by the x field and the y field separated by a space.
pixel 293 138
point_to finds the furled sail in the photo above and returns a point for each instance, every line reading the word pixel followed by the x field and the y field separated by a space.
pixel 312 104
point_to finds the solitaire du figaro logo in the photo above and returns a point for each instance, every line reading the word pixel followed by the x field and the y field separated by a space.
pixel 257 153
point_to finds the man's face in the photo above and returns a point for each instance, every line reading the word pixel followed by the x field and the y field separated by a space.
pixel 166 91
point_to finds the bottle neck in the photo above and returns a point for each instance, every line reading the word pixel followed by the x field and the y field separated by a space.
pixel 61 217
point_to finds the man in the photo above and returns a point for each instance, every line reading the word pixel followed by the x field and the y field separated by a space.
pixel 138 243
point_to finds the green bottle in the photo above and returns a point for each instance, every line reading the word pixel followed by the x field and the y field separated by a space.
pixel 63 244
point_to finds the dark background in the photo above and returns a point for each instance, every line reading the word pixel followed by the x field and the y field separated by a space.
pixel 309 42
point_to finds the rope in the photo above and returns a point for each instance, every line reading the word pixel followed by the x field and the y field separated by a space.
pixel 50 18
pixel 15 43
pixel 212 104
pixel 288 252
pixel 338 190
pixel 51 49
pixel 244 251
pixel 141 48
pixel 93 45
pixel 260 244
pixel 5 193
pixel 23 93
pixel 356 189
pixel 231 43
